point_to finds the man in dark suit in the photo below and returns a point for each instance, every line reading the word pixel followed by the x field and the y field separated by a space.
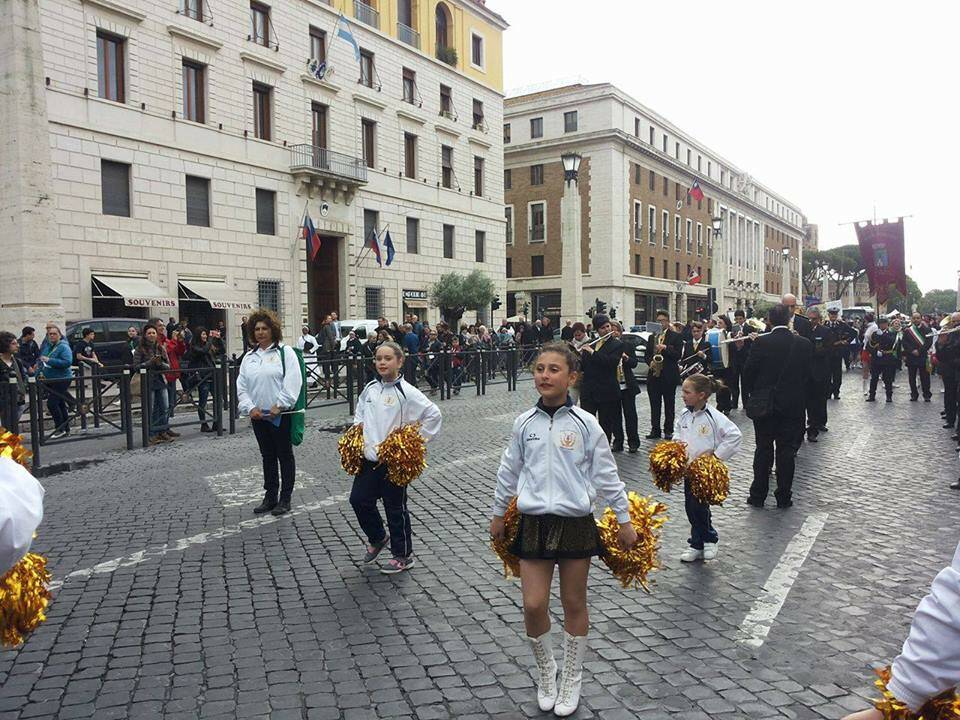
pixel 662 387
pixel 599 388
pixel 780 362
pixel 842 335
pixel 629 389
pixel 798 323
pixel 738 356
pixel 916 341
pixel 819 388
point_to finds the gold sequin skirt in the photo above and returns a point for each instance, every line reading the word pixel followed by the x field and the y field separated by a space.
pixel 554 537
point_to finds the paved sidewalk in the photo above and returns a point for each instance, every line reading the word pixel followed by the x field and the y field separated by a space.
pixel 174 601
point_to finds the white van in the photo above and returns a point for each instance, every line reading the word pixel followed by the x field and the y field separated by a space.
pixel 365 329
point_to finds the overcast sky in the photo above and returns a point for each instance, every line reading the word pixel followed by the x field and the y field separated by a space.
pixel 838 106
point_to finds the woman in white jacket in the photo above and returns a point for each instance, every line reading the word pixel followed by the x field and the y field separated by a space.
pixel 704 431
pixel 929 663
pixel 557 462
pixel 269 385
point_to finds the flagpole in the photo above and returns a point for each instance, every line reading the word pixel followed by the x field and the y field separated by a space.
pixel 303 216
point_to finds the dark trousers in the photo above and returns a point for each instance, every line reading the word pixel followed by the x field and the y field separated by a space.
pixel 733 374
pixel 727 377
pixel 836 374
pixel 884 372
pixel 58 399
pixel 171 396
pixel 949 374
pixel 203 392
pixel 372 485
pixel 607 413
pixel 701 525
pixel 776 438
pixel 914 370
pixel 276 449
pixel 628 409
pixel 817 395
pixel 661 392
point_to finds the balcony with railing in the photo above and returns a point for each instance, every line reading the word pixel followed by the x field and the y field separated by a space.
pixel 366 14
pixel 408 35
pixel 328 171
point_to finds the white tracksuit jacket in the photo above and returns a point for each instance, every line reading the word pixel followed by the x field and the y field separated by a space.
pixel 930 660
pixel 558 466
pixel 385 406
pixel 707 430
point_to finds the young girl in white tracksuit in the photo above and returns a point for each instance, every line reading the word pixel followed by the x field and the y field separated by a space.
pixel 929 663
pixel 557 462
pixel 386 404
pixel 704 430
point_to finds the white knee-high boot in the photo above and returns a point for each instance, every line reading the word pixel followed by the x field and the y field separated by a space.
pixel 547 669
pixel 571 675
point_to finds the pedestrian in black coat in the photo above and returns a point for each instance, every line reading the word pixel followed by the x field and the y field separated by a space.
pixel 916 341
pixel 779 362
pixel 819 389
pixel 599 388
pixel 662 387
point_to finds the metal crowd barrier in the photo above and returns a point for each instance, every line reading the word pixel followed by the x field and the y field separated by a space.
pixel 113 401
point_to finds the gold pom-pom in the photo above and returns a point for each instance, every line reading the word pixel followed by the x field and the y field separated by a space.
pixel 350 446
pixel 709 479
pixel 511 522
pixel 23 599
pixel 945 706
pixel 404 452
pixel 631 567
pixel 668 463
pixel 11 446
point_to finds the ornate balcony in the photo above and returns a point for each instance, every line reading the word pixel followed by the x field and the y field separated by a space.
pixel 366 14
pixel 334 175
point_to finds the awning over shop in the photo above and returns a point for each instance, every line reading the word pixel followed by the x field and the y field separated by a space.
pixel 216 292
pixel 411 303
pixel 135 291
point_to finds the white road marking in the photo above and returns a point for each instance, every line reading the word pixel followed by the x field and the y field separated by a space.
pixel 502 418
pixel 155 551
pixel 858 446
pixel 218 484
pixel 239 487
pixel 756 625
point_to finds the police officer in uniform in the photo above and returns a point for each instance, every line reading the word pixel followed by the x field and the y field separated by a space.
pixel 916 340
pixel 842 335
pixel 818 391
pixel 882 347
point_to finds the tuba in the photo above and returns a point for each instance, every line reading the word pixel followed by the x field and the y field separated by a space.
pixel 656 362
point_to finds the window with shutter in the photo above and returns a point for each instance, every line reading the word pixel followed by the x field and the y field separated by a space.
pixel 115 188
pixel 413 235
pixel 266 212
pixel 198 201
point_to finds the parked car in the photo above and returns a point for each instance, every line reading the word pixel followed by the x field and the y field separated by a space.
pixel 365 329
pixel 637 343
pixel 111 336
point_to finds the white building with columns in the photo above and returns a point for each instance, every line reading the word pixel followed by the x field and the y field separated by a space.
pixel 162 154
pixel 642 237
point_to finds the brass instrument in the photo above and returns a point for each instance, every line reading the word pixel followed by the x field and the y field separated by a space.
pixel 656 362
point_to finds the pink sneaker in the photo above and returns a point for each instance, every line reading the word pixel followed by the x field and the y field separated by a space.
pixel 397 565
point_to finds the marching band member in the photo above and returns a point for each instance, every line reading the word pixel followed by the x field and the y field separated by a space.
pixel 629 389
pixel 599 387
pixel 842 335
pixel 948 362
pixel 696 352
pixel 721 361
pixel 662 353
pixel 916 341
pixel 882 345
pixel 867 330
pixel 738 355
pixel 819 389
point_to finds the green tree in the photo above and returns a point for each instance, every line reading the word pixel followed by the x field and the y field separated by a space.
pixel 454 294
pixel 938 301
pixel 897 301
pixel 844 265
pixel 813 263
pixel 761 309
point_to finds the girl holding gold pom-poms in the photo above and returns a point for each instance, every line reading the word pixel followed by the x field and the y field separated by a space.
pixel 706 433
pixel 557 462
pixel 397 420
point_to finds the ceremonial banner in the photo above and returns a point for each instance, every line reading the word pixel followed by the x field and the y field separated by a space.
pixel 881 246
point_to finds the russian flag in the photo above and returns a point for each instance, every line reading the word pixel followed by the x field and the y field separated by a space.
pixel 695 192
pixel 374 243
pixel 312 237
pixel 694 278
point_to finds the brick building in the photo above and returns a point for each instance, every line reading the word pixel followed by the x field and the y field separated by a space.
pixel 643 237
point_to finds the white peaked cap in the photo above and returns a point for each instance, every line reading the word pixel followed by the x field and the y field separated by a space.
pixel 21 510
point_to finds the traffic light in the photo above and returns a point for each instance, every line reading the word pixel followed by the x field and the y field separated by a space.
pixel 613 313
pixel 495 305
pixel 601 306
pixel 526 309
pixel 712 306
pixel 590 312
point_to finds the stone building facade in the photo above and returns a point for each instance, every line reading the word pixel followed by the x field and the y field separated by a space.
pixel 187 139
pixel 643 236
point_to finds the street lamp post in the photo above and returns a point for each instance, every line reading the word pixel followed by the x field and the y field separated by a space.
pixel 719 262
pixel 571 289
pixel 786 271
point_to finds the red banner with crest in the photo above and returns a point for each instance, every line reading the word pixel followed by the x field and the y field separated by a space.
pixel 881 246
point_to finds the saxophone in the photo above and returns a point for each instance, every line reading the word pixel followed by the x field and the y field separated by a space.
pixel 656 362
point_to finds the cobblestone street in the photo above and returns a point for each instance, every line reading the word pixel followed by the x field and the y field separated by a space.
pixel 172 600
